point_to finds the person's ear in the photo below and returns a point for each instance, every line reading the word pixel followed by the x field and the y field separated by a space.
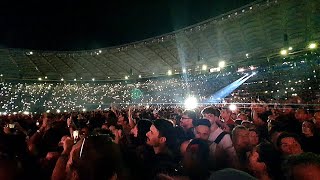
pixel 163 139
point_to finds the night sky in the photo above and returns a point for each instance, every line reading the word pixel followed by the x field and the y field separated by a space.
pixel 79 25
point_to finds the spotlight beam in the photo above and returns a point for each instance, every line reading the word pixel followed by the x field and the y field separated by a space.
pixel 224 92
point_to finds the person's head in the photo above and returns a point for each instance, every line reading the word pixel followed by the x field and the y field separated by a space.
pixel 161 134
pixel 316 119
pixel 225 113
pixel 141 129
pixel 242 116
pixel 253 137
pixel 123 119
pixel 196 158
pixel 289 144
pixel 9 169
pixel 240 138
pixel 308 128
pixel 287 110
pixel 264 159
pixel 187 118
pixel 211 113
pixel 84 132
pixel 202 129
pixel 305 166
pixel 88 159
pixel 301 114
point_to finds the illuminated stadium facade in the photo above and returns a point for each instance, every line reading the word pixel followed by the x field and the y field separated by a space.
pixel 250 34
pixel 275 39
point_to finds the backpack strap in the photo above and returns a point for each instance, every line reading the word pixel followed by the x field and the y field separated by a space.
pixel 219 138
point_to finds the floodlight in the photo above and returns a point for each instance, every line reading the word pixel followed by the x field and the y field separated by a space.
pixel 26 113
pixel 283 52
pixel 140 76
pixel 191 103
pixel 222 64
pixel 126 77
pixel 312 46
pixel 290 48
pixel 62 79
pixel 232 107
pixel 184 70
pixel 204 67
pixel 39 78
pixel 93 79
pixel 169 72
pixel 84 109
pixel 58 111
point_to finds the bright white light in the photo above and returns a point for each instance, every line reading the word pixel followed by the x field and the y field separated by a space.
pixel 14 113
pixel 240 69
pixel 184 70
pixel 30 52
pixel 46 77
pixel 58 111
pixel 1 75
pixel 204 67
pixel 140 76
pixel 26 113
pixel 283 52
pixel 100 51
pixel 62 79
pixel 126 77
pixel 290 48
pixel 48 111
pixel 93 79
pixel 252 68
pixel 222 64
pixel 169 72
pixel 254 73
pixel 74 79
pixel 312 46
pixel 232 107
pixel 39 78
pixel 247 55
pixel 191 103
pixel 83 109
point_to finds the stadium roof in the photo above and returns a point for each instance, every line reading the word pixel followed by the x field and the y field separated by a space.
pixel 250 33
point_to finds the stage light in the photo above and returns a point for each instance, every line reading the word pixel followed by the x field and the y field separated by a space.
pixel 74 79
pixel 1 75
pixel 47 111
pixel 93 79
pixel 247 55
pixel 232 107
pixel 39 78
pixel 62 79
pixel 30 52
pixel 241 69
pixel 84 110
pixel 191 103
pixel 204 67
pixel 283 52
pixel 290 48
pixel 169 72
pixel 222 64
pixel 184 70
pixel 26 113
pixel 58 111
pixel 46 77
pixel 140 76
pixel 100 51
pixel 312 46
pixel 126 77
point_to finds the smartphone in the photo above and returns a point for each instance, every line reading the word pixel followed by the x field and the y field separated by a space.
pixel 75 135
pixel 11 126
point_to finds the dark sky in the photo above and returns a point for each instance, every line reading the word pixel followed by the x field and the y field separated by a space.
pixel 77 25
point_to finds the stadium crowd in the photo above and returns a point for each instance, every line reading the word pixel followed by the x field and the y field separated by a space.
pixel 140 130
pixel 260 141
